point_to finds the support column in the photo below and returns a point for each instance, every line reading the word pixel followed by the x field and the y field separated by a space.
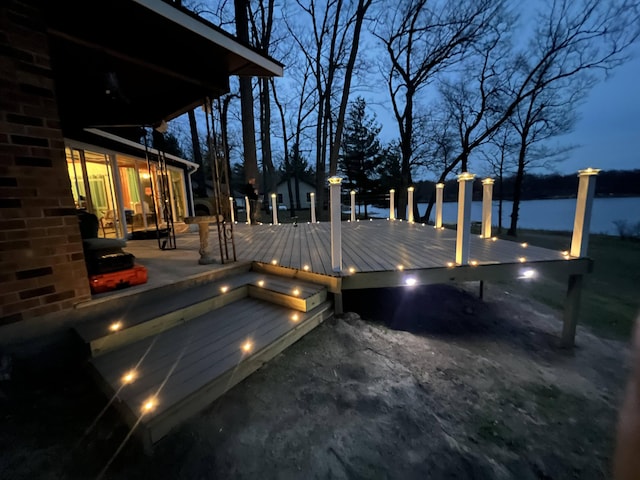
pixel 487 205
pixel 353 205
pixel 439 195
pixel 571 310
pixel 274 209
pixel 247 208
pixel 313 207
pixel 410 203
pixel 233 212
pixel 584 203
pixel 463 229
pixel 336 223
pixel 392 204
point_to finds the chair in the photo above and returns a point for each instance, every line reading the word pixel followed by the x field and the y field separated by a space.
pixel 107 220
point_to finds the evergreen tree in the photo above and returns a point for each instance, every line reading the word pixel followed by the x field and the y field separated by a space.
pixel 360 147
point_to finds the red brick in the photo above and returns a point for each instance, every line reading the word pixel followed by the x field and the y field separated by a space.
pixel 43 310
pixel 18 307
pixel 19 285
pixel 45 222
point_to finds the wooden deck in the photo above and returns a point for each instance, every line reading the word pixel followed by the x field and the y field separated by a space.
pixel 379 253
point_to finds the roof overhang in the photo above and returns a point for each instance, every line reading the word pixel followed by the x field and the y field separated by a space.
pixel 138 62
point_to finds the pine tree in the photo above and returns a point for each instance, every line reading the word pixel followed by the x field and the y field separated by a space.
pixel 360 147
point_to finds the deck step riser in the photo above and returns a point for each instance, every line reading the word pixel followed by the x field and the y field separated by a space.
pixel 159 324
pixel 287 300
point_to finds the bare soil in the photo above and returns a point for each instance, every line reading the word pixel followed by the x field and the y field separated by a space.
pixel 429 383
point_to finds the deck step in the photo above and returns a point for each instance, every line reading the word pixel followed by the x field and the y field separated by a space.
pixel 184 369
pixel 143 318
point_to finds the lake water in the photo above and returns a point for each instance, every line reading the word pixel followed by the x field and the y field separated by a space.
pixel 557 214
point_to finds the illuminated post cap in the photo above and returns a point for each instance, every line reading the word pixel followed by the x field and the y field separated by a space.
pixel 488 181
pixel 466 176
pixel 588 171
pixel 335 180
pixel 393 190
pixel 439 185
pixel 410 189
pixel 352 192
pixel 273 195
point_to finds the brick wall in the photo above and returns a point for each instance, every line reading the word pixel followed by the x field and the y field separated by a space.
pixel 42 268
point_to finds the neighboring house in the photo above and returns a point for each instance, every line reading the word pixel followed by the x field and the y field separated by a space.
pixel 305 190
pixel 70 72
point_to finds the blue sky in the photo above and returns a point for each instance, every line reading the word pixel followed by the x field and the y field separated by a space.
pixel 608 131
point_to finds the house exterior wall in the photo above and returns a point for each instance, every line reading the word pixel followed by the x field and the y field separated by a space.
pixel 305 189
pixel 42 267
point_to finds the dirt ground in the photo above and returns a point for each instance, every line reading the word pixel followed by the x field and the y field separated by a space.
pixel 433 384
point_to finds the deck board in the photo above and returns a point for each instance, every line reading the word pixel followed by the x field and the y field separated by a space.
pixel 375 246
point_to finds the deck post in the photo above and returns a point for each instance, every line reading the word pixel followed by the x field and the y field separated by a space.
pixel 313 207
pixel 463 229
pixel 584 203
pixel 274 209
pixel 571 310
pixel 247 208
pixel 439 195
pixel 353 205
pixel 336 224
pixel 487 198
pixel 392 206
pixel 233 213
pixel 410 203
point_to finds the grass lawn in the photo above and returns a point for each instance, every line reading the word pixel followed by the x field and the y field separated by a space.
pixel 611 295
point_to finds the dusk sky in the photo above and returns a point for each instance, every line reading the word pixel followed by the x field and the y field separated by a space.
pixel 607 134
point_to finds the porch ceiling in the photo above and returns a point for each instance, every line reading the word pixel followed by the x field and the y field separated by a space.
pixel 138 62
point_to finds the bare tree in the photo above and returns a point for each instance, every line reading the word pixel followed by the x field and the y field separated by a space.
pixel 570 39
pixel 422 41
pixel 548 113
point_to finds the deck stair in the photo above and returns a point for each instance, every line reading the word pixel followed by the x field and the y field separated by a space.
pixel 184 351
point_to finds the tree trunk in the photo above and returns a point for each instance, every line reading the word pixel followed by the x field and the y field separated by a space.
pixel 517 187
pixel 246 99
pixel 265 139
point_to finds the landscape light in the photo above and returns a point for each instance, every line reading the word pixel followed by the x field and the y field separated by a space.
pixel 493 239
pixel 295 317
pixel 473 263
pixel 410 281
pixel 524 244
pixel 352 270
pixel 450 264
pixel 115 326
pixel 224 289
pixel 247 346
pixel 296 292
pixel 306 268
pixel 261 283
pixel 400 267
pixel 529 273
pixel 274 262
pixel 522 259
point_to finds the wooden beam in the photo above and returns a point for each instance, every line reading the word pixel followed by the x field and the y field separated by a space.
pixel 571 310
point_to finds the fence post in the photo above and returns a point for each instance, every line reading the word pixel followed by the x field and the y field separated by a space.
pixel 392 204
pixel 247 208
pixel 439 195
pixel 313 207
pixel 463 229
pixel 233 213
pixel 487 205
pixel 410 202
pixel 274 209
pixel 336 224
pixel 353 205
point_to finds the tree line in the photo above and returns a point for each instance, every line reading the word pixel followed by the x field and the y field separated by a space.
pixel 471 85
